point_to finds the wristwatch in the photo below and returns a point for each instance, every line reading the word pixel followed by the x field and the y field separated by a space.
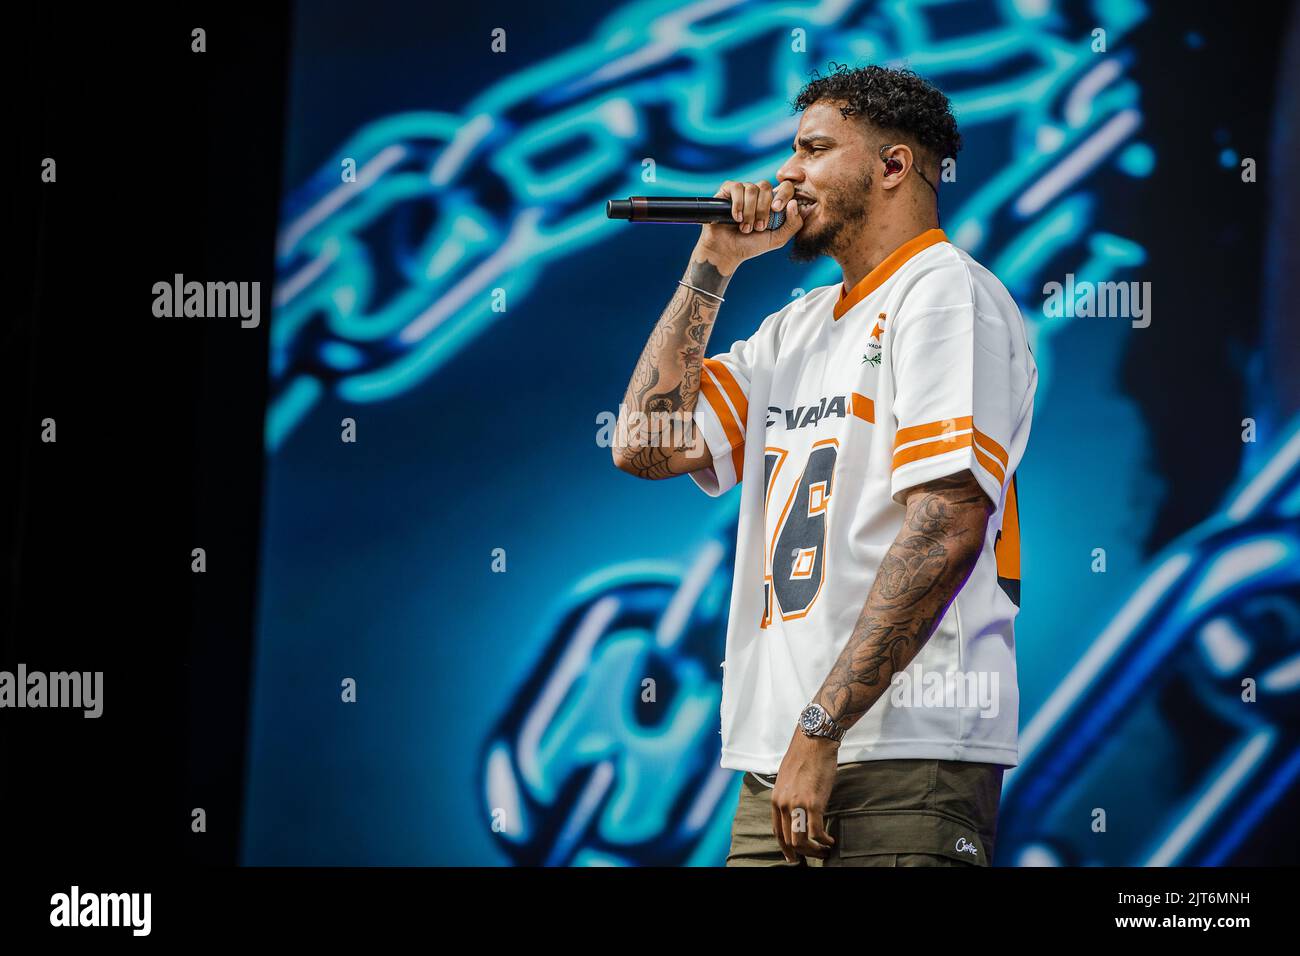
pixel 815 722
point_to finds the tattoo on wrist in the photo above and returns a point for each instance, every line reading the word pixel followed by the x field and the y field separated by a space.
pixel 703 274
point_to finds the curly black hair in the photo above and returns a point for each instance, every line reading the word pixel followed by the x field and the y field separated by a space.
pixel 897 101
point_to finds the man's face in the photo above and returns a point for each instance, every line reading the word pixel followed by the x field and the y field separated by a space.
pixel 830 167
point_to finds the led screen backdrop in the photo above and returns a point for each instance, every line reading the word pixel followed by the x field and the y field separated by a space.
pixel 451 295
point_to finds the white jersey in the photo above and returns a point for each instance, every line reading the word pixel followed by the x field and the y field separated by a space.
pixel 829 412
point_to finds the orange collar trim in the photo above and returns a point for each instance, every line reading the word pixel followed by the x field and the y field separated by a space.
pixel 874 279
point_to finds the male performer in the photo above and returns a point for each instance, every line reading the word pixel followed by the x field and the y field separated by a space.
pixel 877 424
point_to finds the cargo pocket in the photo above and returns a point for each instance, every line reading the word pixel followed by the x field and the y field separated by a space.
pixel 876 837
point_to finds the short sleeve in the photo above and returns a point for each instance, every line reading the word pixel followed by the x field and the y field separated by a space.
pixel 722 413
pixel 954 398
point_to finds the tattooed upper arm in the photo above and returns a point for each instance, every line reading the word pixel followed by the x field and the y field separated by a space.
pixel 954 505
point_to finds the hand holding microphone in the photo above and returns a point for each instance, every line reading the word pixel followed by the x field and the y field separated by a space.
pixel 741 221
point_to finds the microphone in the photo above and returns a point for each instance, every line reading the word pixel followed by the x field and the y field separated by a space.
pixel 687 209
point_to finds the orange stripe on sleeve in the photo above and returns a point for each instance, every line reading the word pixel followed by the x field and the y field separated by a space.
pixel 930 449
pixel 942 447
pixel 709 389
pixel 735 437
pixel 947 439
pixel 990 446
pixel 934 430
pixel 994 469
pixel 731 387
pixel 738 461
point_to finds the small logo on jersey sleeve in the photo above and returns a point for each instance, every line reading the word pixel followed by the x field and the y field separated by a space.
pixel 872 356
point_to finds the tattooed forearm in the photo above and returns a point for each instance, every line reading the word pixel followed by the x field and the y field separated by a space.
pixel 652 462
pixel 925 567
pixel 665 384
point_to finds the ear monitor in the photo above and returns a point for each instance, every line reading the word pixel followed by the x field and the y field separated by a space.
pixel 895 165
pixel 892 164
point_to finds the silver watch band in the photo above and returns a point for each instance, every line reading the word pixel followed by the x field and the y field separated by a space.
pixel 830 729
pixel 827 728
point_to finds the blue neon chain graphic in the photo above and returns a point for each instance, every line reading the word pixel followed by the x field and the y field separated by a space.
pixel 461 205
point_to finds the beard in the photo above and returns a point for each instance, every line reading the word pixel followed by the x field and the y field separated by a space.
pixel 840 208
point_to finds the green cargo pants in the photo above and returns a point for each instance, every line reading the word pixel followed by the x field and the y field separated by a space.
pixel 885 813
